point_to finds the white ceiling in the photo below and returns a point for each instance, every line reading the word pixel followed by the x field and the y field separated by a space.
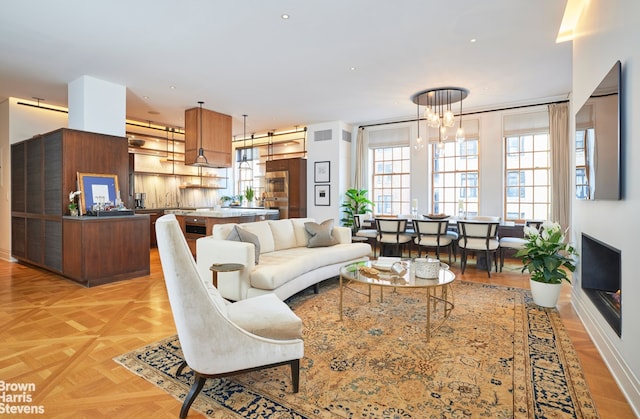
pixel 241 57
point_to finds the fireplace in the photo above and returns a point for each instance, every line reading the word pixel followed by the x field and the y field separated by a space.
pixel 601 279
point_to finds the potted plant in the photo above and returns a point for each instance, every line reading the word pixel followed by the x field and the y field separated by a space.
pixel 547 258
pixel 73 205
pixel 226 200
pixel 249 194
pixel 356 202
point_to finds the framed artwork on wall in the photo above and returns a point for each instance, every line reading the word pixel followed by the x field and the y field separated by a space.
pixel 322 172
pixel 322 196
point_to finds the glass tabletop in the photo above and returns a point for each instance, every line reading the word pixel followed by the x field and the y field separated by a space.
pixel 366 273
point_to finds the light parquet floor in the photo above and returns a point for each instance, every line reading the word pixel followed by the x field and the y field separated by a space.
pixel 62 338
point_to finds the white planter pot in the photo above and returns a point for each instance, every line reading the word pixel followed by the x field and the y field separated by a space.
pixel 545 295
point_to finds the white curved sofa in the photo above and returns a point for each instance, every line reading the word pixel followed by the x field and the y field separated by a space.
pixel 286 265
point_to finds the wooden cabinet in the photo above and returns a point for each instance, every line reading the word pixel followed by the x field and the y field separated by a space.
pixel 216 136
pixel 297 169
pixel 153 214
pixel 43 172
pixel 99 250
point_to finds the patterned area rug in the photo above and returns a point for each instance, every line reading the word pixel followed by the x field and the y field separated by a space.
pixel 498 355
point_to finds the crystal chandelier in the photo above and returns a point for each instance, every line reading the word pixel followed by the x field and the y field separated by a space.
pixel 438 111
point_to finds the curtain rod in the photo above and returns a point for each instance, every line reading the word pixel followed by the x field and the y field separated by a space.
pixel 465 114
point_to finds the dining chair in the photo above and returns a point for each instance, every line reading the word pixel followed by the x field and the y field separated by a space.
pixel 219 338
pixel 481 238
pixel 370 234
pixel 391 232
pixel 515 243
pixel 432 234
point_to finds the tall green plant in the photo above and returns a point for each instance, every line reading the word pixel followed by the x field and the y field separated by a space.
pixel 355 202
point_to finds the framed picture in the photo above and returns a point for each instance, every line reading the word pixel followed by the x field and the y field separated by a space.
pixel 322 195
pixel 97 189
pixel 322 173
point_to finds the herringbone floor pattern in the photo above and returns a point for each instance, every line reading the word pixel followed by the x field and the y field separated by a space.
pixel 62 338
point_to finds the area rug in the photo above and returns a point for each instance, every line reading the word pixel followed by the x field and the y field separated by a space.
pixel 497 356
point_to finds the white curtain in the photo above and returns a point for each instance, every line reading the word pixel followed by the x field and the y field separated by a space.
pixel 360 178
pixel 561 193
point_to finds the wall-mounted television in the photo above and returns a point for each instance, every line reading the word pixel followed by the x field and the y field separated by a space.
pixel 598 141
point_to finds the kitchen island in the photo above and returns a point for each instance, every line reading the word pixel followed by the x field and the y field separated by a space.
pixel 196 223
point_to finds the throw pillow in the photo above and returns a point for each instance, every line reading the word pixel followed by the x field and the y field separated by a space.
pixel 239 234
pixel 321 235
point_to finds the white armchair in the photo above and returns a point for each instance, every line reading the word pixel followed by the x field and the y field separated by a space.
pixel 218 338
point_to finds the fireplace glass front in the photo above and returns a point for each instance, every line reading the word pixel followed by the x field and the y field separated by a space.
pixel 601 279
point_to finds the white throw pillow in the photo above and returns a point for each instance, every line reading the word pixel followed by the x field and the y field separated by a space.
pixel 283 235
pixel 263 231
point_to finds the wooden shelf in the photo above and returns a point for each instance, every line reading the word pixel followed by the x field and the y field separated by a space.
pixel 200 187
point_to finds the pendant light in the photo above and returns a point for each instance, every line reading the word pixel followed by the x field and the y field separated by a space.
pixel 201 159
pixel 419 144
pixel 244 164
pixel 460 132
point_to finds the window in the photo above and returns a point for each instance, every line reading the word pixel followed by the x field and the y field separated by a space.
pixel 583 137
pixel 527 177
pixel 455 178
pixel 391 180
pixel 247 170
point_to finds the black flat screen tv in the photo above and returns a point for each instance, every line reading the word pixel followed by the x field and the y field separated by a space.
pixel 599 141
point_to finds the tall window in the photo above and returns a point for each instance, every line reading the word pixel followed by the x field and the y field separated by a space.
pixel 391 180
pixel 527 177
pixel 455 178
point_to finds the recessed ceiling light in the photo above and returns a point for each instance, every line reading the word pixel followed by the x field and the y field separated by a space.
pixel 172 87
pixel 473 40
pixel 352 68
pixel 145 97
pixel 284 16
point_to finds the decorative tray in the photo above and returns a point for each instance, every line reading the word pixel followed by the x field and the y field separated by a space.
pixel 436 216
pixel 384 263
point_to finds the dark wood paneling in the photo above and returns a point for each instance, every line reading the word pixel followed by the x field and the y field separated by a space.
pixel 297 168
pixel 34 155
pixel 18 179
pixel 18 237
pixel 110 248
pixel 35 242
pixel 53 245
pixel 277 165
pixel 89 152
pixel 54 198
pixel 44 172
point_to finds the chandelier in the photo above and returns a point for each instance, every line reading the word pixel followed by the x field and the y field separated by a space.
pixel 438 113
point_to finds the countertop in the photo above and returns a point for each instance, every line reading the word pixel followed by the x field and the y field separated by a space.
pixel 221 212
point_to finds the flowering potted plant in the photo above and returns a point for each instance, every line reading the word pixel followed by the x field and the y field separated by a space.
pixel 73 206
pixel 547 258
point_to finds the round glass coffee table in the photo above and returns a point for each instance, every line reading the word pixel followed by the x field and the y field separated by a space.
pixel 438 290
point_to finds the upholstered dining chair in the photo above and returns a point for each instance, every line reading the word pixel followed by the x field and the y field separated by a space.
pixel 480 237
pixel 368 233
pixel 391 232
pixel 218 338
pixel 432 234
pixel 515 243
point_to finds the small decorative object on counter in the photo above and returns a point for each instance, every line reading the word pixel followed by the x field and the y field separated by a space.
pixel 73 205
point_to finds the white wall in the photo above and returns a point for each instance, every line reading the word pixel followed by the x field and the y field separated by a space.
pixel 338 153
pixel 18 123
pixel 608 31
